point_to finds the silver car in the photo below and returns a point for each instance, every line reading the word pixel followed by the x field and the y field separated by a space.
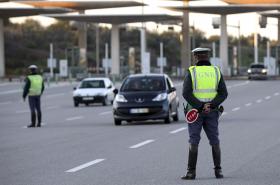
pixel 94 90
pixel 257 71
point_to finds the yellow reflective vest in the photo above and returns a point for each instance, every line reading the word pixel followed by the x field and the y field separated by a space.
pixel 36 83
pixel 205 81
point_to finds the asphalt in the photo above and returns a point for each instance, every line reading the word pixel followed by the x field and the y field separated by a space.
pixel 81 146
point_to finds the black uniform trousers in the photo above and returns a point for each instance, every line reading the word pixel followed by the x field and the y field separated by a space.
pixel 35 106
pixel 209 123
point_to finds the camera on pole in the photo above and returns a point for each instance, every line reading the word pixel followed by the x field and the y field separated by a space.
pixel 263 21
pixel 216 22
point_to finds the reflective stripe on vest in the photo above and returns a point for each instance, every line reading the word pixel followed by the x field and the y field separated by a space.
pixel 36 82
pixel 205 80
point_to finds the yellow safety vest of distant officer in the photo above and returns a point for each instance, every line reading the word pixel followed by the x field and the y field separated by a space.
pixel 36 83
pixel 204 89
pixel 33 88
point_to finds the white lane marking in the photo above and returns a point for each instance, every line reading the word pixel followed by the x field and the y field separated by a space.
pixel 78 168
pixel 5 103
pixel 276 94
pixel 142 144
pixel 224 113
pixel 21 111
pixel 236 109
pixel 51 107
pixel 10 92
pixel 248 104
pixel 259 100
pixel 104 113
pixel 268 97
pixel 178 130
pixel 240 84
pixel 55 95
pixel 74 118
pixel 8 83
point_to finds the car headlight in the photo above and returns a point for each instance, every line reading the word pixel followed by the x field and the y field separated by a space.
pixel 120 98
pixel 76 94
pixel 249 71
pixel 264 70
pixel 160 97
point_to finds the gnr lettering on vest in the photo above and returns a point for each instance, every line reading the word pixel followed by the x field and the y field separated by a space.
pixel 206 75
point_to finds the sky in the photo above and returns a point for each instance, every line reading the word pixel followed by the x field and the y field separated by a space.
pixel 248 21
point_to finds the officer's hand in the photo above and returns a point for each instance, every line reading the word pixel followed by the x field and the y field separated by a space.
pixel 207 107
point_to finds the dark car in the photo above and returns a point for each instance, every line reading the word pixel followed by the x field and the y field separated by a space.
pixel 146 97
pixel 257 71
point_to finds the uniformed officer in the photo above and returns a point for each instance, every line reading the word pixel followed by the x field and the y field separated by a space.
pixel 34 87
pixel 204 89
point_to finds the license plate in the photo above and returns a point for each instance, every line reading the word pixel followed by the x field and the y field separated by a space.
pixel 88 98
pixel 139 111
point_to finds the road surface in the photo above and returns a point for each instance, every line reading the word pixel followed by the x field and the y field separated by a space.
pixel 81 146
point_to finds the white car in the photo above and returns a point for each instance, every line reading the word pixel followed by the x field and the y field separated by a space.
pixel 94 90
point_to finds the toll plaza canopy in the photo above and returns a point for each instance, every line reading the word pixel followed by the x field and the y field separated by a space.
pixel 82 5
pixel 117 19
pixel 248 1
pixel 253 1
pixel 271 14
pixel 226 9
pixel 52 7
pixel 18 12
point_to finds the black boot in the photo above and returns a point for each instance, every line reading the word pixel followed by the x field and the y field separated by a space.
pixel 33 120
pixel 39 116
pixel 191 163
pixel 216 152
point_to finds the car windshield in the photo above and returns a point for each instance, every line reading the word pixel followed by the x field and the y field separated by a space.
pixel 143 84
pixel 92 84
pixel 259 66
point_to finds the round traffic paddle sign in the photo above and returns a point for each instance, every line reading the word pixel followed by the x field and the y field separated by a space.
pixel 192 115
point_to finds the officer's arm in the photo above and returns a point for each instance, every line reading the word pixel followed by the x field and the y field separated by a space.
pixel 26 88
pixel 188 93
pixel 43 87
pixel 222 94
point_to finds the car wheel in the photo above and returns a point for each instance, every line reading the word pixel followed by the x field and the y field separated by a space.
pixel 76 104
pixel 169 117
pixel 106 101
pixel 175 117
pixel 118 122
